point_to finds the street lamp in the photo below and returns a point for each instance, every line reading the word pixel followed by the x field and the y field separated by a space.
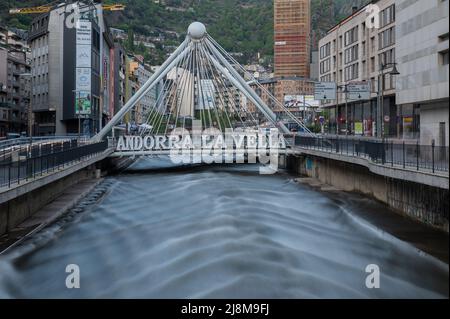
pixel 344 89
pixel 380 103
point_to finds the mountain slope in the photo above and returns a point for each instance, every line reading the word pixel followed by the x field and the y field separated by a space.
pixel 244 26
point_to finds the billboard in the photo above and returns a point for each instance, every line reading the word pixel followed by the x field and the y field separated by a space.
pixel 83 103
pixel 83 74
pixel 300 101
pixel 84 32
pixel 83 79
pixel 83 56
pixel 309 101
pixel 292 101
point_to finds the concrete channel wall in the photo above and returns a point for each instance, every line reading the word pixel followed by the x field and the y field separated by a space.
pixel 17 210
pixel 23 201
pixel 424 203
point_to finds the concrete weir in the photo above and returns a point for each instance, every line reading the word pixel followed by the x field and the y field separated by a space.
pixel 420 201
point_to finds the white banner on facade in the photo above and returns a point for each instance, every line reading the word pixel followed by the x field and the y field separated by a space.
pixel 83 72
pixel 309 101
pixel 84 56
pixel 83 79
pixel 84 33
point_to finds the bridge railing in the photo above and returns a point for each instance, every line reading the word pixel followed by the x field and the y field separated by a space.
pixel 20 167
pixel 430 158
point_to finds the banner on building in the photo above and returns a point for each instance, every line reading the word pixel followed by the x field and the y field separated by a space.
pixel 84 56
pixel 83 79
pixel 309 101
pixel 300 102
pixel 83 72
pixel 292 101
pixel 84 33
pixel 83 103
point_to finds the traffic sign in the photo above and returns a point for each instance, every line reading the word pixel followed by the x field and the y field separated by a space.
pixel 325 91
pixel 358 91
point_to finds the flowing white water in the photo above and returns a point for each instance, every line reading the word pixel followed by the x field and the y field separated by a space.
pixel 218 233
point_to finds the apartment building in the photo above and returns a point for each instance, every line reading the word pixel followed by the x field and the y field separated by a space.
pixel 15 85
pixel 361 48
pixel 139 74
pixel 119 71
pixel 423 84
pixel 71 68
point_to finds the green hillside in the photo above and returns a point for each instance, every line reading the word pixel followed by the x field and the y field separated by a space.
pixel 244 26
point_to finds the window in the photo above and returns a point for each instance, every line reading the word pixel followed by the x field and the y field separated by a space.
pixel 351 54
pixel 443 57
pixel 326 78
pixel 325 66
pixel 351 36
pixel 387 16
pixel 364 66
pixel 351 72
pixel 372 64
pixel 386 38
pixel 387 57
pixel 325 50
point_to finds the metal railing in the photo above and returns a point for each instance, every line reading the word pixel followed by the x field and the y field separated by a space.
pixel 26 140
pixel 23 165
pixel 430 158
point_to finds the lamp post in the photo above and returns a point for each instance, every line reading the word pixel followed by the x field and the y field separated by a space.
pixel 344 90
pixel 380 98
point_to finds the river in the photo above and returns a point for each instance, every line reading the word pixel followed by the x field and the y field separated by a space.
pixel 218 232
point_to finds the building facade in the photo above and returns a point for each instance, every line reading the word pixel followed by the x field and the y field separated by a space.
pixel 361 49
pixel 71 68
pixel 423 84
pixel 15 78
pixel 292 25
pixel 119 71
pixel 139 74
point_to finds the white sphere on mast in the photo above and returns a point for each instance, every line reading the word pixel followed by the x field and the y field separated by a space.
pixel 197 30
